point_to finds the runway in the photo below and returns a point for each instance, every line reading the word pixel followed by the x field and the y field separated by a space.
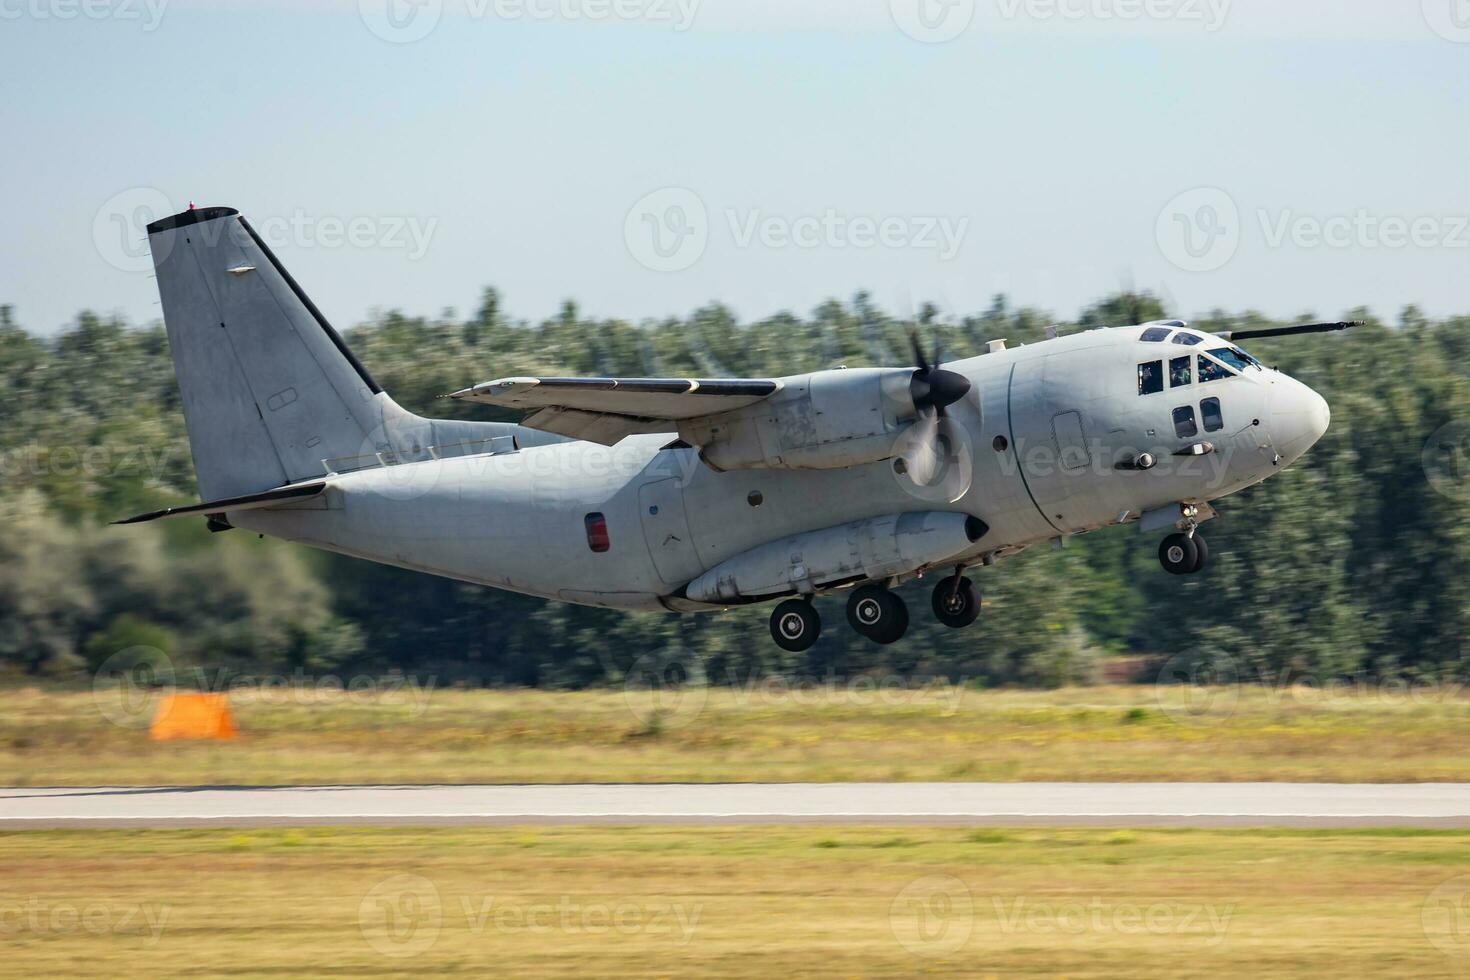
pixel 970 804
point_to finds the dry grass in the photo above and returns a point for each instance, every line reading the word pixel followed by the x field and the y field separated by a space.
pixel 769 902
pixel 1113 733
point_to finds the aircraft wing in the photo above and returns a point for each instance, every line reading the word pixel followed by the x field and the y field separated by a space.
pixel 606 410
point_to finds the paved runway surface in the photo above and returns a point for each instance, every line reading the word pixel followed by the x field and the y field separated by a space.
pixel 1013 804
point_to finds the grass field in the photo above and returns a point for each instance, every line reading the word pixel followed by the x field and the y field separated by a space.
pixel 773 902
pixel 762 734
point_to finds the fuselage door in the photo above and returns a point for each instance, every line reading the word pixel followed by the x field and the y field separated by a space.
pixel 666 529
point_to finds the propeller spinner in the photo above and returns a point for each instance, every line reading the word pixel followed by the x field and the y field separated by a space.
pixel 933 389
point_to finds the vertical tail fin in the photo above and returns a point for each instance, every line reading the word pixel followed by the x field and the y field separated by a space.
pixel 270 391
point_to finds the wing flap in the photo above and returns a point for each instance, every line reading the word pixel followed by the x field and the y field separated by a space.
pixel 606 410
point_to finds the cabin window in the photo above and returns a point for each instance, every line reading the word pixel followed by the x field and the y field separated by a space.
pixel 1155 335
pixel 1214 418
pixel 1151 378
pixel 597 536
pixel 1184 424
pixel 1181 371
pixel 1210 371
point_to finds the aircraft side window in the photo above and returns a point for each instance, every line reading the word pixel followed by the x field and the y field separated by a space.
pixel 1181 371
pixel 1184 424
pixel 597 536
pixel 1155 335
pixel 1210 371
pixel 1214 418
pixel 1151 378
pixel 1188 339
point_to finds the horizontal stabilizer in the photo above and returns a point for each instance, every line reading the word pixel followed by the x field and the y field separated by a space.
pixel 252 501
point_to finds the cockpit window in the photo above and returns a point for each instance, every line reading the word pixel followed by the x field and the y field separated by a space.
pixel 1237 359
pixel 1151 378
pixel 1181 371
pixel 1210 371
pixel 1155 335
pixel 1184 425
pixel 1188 339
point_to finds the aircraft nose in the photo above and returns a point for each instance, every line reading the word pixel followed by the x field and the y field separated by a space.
pixel 1299 418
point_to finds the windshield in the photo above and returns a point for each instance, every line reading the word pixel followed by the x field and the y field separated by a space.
pixel 1237 359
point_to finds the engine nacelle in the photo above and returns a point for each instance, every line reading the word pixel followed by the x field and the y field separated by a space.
pixel 872 549
pixel 822 421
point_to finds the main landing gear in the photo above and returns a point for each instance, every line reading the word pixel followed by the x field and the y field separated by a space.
pixel 1184 553
pixel 875 612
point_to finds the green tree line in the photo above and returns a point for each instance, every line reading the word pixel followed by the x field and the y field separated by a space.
pixel 1356 561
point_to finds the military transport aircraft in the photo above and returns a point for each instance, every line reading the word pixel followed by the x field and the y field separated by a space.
pixel 697 495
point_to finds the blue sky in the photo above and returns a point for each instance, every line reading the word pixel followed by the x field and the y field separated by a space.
pixel 764 154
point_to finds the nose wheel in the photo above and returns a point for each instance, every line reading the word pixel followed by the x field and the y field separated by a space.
pixel 795 625
pixel 956 602
pixel 1184 554
pixel 878 614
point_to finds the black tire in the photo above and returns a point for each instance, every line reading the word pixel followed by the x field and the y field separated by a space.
pixel 1203 557
pixel 877 613
pixel 795 625
pixel 1178 553
pixel 956 609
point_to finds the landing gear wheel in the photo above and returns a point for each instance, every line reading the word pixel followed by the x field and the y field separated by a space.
pixel 795 625
pixel 1178 554
pixel 878 614
pixel 956 607
pixel 1203 557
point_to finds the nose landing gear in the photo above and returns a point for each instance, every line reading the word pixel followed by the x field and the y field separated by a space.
pixel 1184 553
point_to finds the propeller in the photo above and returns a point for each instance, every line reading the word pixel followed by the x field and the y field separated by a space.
pixel 933 390
pixel 1289 331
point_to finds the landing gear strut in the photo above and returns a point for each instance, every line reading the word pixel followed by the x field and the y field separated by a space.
pixel 878 614
pixel 956 602
pixel 795 625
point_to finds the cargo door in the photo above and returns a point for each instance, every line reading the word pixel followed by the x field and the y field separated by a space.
pixel 666 530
